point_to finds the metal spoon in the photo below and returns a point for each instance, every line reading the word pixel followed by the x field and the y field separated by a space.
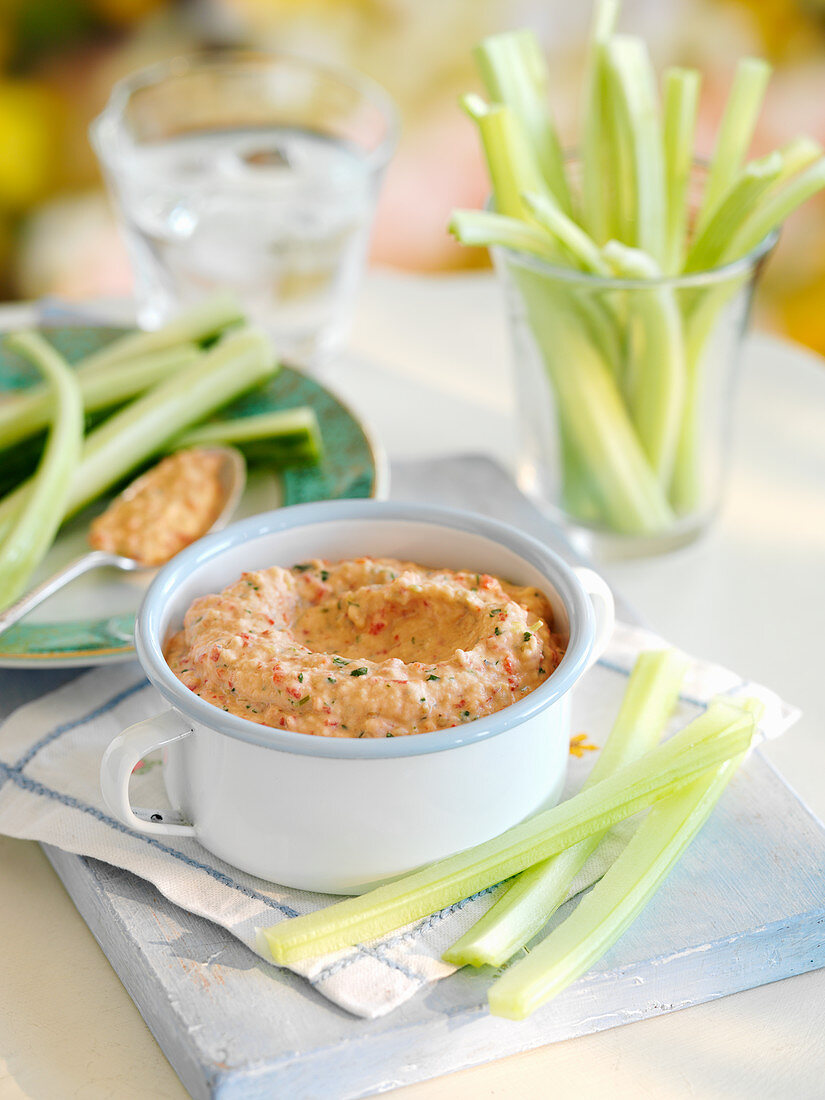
pixel 232 473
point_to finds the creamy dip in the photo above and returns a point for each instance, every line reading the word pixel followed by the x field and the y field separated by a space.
pixel 367 648
pixel 172 505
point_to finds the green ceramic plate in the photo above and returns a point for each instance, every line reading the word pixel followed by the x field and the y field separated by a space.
pixel 91 621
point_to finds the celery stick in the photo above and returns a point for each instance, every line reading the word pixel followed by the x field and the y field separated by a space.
pixel 576 496
pixel 623 178
pixel 605 913
pixel 704 743
pixel 679 126
pixel 598 141
pixel 580 246
pixel 772 211
pixel 687 481
pixel 288 435
pixel 732 211
pixel 192 325
pixel 481 228
pixel 514 172
pixel 527 905
pixel 598 429
pixel 38 518
pixel 239 361
pixel 142 428
pixel 581 249
pixel 635 85
pixel 510 162
pixel 686 485
pixel 797 154
pixel 735 133
pixel 514 71
pixel 23 414
pixel 197 322
pixel 655 378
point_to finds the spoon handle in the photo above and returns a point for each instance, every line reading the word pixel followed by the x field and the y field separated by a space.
pixel 94 560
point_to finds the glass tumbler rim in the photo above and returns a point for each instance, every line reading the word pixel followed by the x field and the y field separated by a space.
pixel 743 265
pixel 229 58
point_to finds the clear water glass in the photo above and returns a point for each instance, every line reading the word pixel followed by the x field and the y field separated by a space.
pixel 256 173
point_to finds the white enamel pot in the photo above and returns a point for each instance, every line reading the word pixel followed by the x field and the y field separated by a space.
pixel 341 814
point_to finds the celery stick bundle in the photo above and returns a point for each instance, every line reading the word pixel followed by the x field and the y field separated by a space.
pixel 146 393
pixel 681 780
pixel 626 287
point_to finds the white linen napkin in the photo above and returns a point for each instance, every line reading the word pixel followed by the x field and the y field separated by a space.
pixel 50 753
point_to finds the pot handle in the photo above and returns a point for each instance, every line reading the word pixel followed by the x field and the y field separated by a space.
pixel 119 761
pixel 602 599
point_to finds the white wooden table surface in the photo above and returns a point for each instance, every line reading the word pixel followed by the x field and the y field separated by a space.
pixel 428 366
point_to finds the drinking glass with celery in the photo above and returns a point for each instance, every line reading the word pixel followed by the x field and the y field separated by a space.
pixel 629 272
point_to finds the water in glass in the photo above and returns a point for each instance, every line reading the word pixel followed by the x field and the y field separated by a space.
pixel 280 215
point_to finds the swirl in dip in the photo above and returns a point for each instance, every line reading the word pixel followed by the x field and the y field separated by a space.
pixel 372 647
pixel 166 509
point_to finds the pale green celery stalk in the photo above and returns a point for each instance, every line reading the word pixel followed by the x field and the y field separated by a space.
pixel 623 180
pixel 655 376
pixel 734 134
pixel 635 85
pixel 590 303
pixel 197 322
pixel 686 487
pixel 496 230
pixel 36 522
pixel 287 434
pixel 526 905
pixel 681 102
pixel 514 172
pixel 784 195
pixel 482 228
pixel 601 917
pixel 24 413
pixel 774 209
pixel 514 71
pixel 473 105
pixel 701 745
pixel 797 154
pixel 731 212
pixel 510 162
pixel 599 170
pixel 577 242
pixel 576 496
pixel 769 214
pixel 609 461
pixel 240 360
pixel 192 325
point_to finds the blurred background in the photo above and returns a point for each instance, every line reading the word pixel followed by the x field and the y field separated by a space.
pixel 59 58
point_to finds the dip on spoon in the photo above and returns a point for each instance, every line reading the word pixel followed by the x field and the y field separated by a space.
pixel 187 495
pixel 173 504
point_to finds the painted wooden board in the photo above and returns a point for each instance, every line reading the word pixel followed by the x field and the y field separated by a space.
pixel 234 1027
pixel 745 906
